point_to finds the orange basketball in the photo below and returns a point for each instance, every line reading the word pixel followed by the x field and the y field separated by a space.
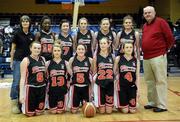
pixel 89 109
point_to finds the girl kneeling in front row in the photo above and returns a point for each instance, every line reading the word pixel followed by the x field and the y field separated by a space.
pixel 32 82
pixel 126 90
pixel 57 70
pixel 104 82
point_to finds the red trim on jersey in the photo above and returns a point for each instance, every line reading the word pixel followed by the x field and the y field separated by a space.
pixel 27 102
pixel 99 97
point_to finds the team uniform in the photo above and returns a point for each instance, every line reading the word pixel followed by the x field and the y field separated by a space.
pixel 67 46
pixel 109 36
pixel 86 39
pixel 104 84
pixel 57 84
pixel 47 41
pixel 80 87
pixel 130 37
pixel 35 87
pixel 127 89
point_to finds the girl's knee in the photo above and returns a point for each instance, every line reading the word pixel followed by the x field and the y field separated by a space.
pixel 124 110
pixel 108 109
pixel 132 110
pixel 74 111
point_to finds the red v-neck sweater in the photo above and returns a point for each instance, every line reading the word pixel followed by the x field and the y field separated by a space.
pixel 157 38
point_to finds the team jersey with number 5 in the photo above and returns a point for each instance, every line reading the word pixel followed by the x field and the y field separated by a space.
pixel 81 71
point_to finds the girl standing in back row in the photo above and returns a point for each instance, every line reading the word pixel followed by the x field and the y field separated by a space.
pixel 46 38
pixel 128 34
pixel 65 39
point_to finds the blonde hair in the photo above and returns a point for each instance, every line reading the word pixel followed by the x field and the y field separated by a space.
pixel 83 18
pixel 128 17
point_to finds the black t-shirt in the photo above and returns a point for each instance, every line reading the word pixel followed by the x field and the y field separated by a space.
pixel 22 42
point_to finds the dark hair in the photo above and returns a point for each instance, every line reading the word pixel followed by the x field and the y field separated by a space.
pixel 123 45
pixel 104 38
pixel 104 19
pixel 64 21
pixel 37 42
pixel 25 17
pixel 85 47
pixel 43 18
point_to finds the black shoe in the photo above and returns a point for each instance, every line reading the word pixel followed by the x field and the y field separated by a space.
pixel 159 110
pixel 149 107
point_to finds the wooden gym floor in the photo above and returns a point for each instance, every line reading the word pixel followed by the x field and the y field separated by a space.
pixel 172 115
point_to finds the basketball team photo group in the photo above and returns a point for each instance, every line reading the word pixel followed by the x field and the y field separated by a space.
pixel 91 60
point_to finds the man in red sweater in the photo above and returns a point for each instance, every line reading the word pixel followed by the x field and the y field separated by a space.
pixel 157 39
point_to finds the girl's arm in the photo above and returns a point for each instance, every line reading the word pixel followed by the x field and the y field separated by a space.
pixel 94 68
pixel 114 41
pixel 118 40
pixel 137 45
pixel 23 69
pixel 13 48
pixel 93 41
pixel 74 42
pixel 116 67
pixel 138 79
pixel 69 70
